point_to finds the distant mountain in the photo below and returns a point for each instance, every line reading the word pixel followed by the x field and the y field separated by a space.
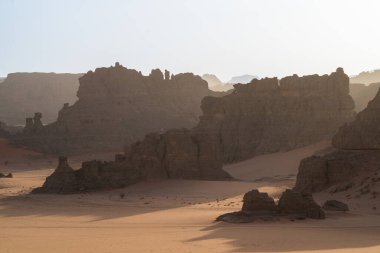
pixel 242 79
pixel 215 84
pixel 362 94
pixel 366 77
pixel 23 94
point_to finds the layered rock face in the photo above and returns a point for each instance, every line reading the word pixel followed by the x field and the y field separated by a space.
pixel 271 115
pixel 22 94
pixel 118 106
pixel 175 154
pixel 358 154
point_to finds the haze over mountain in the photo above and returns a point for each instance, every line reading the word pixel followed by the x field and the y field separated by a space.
pixel 367 77
pixel 23 94
pixel 242 79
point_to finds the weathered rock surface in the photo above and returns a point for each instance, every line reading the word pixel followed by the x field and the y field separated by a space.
pixel 176 154
pixel 258 203
pixel 259 206
pixel 335 205
pixel 317 173
pixel 364 132
pixel 22 94
pixel 358 153
pixel 299 205
pixel 271 115
pixel 118 106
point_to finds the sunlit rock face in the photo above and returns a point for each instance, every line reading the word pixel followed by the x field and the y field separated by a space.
pixel 23 94
pixel 271 115
pixel 117 106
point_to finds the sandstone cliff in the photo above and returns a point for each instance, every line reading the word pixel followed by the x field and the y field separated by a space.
pixel 176 154
pixel 364 132
pixel 271 115
pixel 357 154
pixel 22 94
pixel 263 116
pixel 118 106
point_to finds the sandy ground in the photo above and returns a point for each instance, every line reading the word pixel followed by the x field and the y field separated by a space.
pixel 170 216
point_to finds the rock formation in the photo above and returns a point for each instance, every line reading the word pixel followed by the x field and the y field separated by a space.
pixel 271 115
pixel 366 77
pixel 9 175
pixel 362 94
pixel 258 203
pixel 22 94
pixel 299 205
pixel 357 154
pixel 117 106
pixel 176 154
pixel 364 132
pixel 259 206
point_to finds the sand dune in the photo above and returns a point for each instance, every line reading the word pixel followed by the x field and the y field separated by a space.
pixel 172 216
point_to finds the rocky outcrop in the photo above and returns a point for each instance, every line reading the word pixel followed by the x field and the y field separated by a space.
pixel 176 154
pixel 271 115
pixel 317 173
pixel 117 106
pixel 22 94
pixel 93 175
pixel 9 175
pixel 258 203
pixel 299 205
pixel 362 94
pixel 364 132
pixel 358 152
pixel 335 205
pixel 259 206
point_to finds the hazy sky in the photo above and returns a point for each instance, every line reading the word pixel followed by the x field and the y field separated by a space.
pixel 225 37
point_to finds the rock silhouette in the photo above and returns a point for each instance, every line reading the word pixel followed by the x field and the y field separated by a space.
pixel 259 206
pixel 271 115
pixel 118 106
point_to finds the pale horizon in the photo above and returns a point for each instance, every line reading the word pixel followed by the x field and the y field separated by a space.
pixel 225 38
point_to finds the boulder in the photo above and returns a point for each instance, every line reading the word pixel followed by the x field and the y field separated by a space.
pixel 299 205
pixel 335 205
pixel 258 203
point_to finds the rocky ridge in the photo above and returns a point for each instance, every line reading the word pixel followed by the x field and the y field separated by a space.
pixel 117 106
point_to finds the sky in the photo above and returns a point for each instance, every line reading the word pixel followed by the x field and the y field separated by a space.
pixel 222 37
